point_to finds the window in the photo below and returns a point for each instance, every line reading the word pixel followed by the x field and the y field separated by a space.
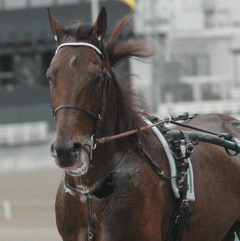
pixel 13 4
pixel 197 64
pixel 194 64
pixel 46 60
pixel 6 71
pixel 27 69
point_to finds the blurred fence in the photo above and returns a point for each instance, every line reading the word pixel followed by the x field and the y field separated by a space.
pixel 229 107
pixel 23 133
pixel 15 209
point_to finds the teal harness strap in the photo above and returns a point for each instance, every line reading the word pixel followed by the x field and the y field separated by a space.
pixel 231 144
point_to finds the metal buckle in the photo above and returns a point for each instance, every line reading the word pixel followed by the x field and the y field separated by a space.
pixel 167 119
pixel 181 181
pixel 90 235
pixel 189 148
pixel 92 145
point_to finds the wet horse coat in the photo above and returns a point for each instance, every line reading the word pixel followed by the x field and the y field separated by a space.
pixel 132 202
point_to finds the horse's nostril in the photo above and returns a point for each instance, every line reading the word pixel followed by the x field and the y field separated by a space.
pixel 53 151
pixel 65 153
pixel 77 148
pixel 69 150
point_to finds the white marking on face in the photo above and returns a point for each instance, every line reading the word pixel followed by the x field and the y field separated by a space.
pixel 55 37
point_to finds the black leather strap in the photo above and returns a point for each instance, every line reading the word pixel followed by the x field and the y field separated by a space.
pixel 90 192
pixel 75 107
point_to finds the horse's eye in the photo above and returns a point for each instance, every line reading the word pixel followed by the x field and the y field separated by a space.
pixel 97 80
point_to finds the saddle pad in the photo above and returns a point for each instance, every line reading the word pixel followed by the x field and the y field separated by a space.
pixel 173 168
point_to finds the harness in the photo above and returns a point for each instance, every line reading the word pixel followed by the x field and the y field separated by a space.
pixel 181 144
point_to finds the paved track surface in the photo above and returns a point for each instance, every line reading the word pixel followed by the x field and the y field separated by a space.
pixel 34 230
pixel 30 192
pixel 31 195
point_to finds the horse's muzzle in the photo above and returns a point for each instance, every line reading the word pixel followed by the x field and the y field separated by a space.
pixel 66 154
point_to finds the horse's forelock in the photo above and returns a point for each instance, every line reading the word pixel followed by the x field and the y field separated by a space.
pixel 80 31
pixel 116 52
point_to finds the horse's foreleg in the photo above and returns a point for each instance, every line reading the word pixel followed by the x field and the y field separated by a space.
pixel 237 229
pixel 230 236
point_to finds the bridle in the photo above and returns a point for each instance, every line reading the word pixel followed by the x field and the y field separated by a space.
pixel 97 117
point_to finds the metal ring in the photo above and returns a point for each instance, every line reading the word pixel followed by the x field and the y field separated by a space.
pixel 90 235
pixel 167 119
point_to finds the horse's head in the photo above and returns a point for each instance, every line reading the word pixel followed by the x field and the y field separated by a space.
pixel 87 99
pixel 78 76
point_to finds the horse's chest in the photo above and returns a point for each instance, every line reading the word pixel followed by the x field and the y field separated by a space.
pixel 125 194
pixel 125 209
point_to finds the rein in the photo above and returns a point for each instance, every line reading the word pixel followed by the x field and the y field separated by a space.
pixel 167 119
pixel 128 133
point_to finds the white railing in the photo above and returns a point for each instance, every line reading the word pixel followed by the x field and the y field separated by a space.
pixel 235 93
pixel 230 107
pixel 223 81
pixel 9 208
pixel 23 133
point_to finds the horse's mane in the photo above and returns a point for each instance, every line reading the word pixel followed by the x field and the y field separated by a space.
pixel 116 52
pixel 128 117
pixel 119 52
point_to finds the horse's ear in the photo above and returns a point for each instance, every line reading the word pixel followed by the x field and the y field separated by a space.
pixel 57 29
pixel 100 26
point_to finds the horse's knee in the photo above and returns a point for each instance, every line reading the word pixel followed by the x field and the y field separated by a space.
pixel 230 236
pixel 237 230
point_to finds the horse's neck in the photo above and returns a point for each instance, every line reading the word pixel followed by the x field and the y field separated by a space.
pixel 109 122
pixel 120 114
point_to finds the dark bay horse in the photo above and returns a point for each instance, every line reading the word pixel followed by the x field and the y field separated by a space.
pixel 120 197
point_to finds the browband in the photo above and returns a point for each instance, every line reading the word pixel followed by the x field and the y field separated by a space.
pixel 80 44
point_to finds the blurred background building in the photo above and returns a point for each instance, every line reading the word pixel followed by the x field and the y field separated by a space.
pixel 196 69
pixel 198 61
